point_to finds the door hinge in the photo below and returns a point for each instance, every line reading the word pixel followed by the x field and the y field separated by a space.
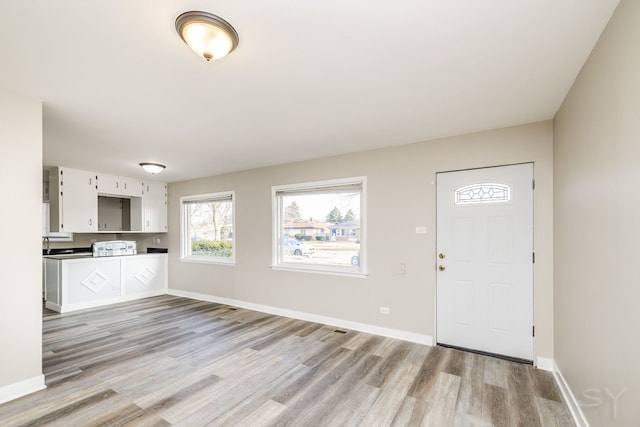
pixel 533 331
pixel 533 256
pixel 533 184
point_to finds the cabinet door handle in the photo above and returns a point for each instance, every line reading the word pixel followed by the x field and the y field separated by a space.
pixel 89 181
pixel 125 185
pixel 90 221
pixel 117 183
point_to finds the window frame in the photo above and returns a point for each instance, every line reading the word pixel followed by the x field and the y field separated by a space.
pixel 277 263
pixel 185 239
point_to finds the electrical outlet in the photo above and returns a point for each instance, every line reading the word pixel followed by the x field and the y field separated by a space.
pixel 157 240
pixel 421 230
pixel 399 269
pixel 385 310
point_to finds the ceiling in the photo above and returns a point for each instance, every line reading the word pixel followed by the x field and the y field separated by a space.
pixel 309 78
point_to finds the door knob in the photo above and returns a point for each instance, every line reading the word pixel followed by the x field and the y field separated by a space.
pixel 441 267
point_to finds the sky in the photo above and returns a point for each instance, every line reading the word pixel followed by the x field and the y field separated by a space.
pixel 317 206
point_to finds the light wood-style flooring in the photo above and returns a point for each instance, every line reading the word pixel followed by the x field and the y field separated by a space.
pixel 174 361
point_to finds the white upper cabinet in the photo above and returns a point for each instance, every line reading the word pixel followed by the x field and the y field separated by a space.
pixel 154 202
pixel 119 186
pixel 131 186
pixel 74 200
pixel 127 204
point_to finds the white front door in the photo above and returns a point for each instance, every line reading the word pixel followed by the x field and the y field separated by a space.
pixel 485 260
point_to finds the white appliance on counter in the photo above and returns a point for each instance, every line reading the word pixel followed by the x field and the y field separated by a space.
pixel 114 248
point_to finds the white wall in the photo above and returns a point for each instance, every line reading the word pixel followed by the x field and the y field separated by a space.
pixel 401 196
pixel 597 227
pixel 20 251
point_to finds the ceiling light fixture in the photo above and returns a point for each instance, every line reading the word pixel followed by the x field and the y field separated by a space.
pixel 208 35
pixel 153 167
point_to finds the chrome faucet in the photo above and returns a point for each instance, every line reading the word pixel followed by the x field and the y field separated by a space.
pixel 46 245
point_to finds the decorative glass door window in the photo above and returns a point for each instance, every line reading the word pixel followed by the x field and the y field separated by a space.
pixel 486 192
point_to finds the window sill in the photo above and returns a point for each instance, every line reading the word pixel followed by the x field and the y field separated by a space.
pixel 353 274
pixel 208 261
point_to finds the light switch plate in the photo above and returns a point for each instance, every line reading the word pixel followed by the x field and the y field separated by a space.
pixel 421 230
pixel 399 269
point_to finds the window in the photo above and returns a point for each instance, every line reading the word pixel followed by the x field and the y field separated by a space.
pixel 320 226
pixel 486 192
pixel 207 232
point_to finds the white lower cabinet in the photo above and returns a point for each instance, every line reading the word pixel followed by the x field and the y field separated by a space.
pixel 51 278
pixel 143 274
pixel 79 283
pixel 89 280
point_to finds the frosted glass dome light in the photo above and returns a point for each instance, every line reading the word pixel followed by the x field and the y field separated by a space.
pixel 152 167
pixel 208 35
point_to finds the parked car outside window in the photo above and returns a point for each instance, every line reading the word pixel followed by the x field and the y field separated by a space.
pixel 292 246
pixel 355 260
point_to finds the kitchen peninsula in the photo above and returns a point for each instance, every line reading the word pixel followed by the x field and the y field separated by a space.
pixel 79 280
pixel 76 201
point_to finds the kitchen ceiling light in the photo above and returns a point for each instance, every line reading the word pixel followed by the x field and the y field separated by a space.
pixel 208 35
pixel 153 167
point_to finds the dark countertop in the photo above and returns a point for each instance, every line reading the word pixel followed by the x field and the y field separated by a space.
pixel 70 256
pixel 80 255
pixel 65 251
pixel 157 250
pixel 76 253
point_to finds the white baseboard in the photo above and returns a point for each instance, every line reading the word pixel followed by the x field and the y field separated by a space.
pixel 52 306
pixel 21 388
pixel 544 363
pixel 102 302
pixel 325 320
pixel 569 398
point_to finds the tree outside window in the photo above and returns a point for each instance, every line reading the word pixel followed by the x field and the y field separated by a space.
pixel 208 227
pixel 319 226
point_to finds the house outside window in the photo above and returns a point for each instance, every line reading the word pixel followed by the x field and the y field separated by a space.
pixel 320 226
pixel 208 228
